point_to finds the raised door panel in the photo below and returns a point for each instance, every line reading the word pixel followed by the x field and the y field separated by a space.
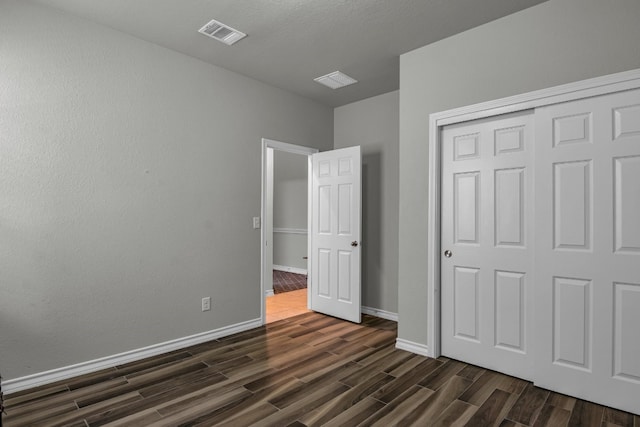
pixel 626 122
pixel 510 310
pixel 509 207
pixel 466 303
pixel 572 322
pixel 574 129
pixel 324 273
pixel 344 276
pixel 627 204
pixel 345 166
pixel 509 140
pixel 324 168
pixel 572 205
pixel 466 147
pixel 324 209
pixel 345 199
pixel 466 207
pixel 626 336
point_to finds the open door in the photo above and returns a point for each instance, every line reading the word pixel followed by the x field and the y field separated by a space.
pixel 335 233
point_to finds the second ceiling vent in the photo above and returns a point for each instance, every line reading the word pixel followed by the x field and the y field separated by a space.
pixel 221 32
pixel 336 80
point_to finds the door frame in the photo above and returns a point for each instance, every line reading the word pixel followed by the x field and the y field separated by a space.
pixel 569 92
pixel 267 217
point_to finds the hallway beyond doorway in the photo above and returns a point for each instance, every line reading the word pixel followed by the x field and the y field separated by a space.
pixel 285 305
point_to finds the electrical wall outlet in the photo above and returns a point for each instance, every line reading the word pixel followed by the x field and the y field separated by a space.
pixel 206 303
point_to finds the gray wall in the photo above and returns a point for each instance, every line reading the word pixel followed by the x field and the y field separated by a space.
pixel 373 124
pixel 130 174
pixel 290 183
pixel 557 42
pixel 289 250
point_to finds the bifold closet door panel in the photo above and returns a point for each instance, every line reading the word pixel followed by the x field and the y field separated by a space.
pixel 487 243
pixel 587 252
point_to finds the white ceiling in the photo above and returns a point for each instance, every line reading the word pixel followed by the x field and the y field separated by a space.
pixel 291 42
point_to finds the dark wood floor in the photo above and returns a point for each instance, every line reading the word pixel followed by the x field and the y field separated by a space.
pixel 304 371
pixel 284 281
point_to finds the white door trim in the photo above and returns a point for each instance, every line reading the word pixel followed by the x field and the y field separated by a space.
pixel 570 92
pixel 267 217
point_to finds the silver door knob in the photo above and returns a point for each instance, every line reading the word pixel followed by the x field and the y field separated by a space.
pixel 354 243
pixel 448 253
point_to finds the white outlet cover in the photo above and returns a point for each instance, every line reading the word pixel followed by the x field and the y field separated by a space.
pixel 256 222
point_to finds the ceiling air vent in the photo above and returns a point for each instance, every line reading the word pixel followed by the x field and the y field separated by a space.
pixel 336 80
pixel 221 32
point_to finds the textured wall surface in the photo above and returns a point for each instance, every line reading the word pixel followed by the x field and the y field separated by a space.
pixel 557 42
pixel 129 176
pixel 373 124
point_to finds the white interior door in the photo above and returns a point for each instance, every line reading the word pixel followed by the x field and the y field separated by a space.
pixel 335 233
pixel 486 239
pixel 588 249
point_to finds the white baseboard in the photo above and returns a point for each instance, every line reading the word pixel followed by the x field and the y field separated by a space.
pixel 379 313
pixel 413 347
pixel 268 293
pixel 42 378
pixel 289 269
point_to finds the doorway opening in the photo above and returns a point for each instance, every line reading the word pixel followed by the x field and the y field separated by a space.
pixel 285 225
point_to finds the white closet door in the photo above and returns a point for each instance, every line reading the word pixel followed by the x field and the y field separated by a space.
pixel 487 231
pixel 588 249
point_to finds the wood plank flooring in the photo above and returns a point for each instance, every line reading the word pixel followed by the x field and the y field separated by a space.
pixel 309 370
pixel 286 304
pixel 284 281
